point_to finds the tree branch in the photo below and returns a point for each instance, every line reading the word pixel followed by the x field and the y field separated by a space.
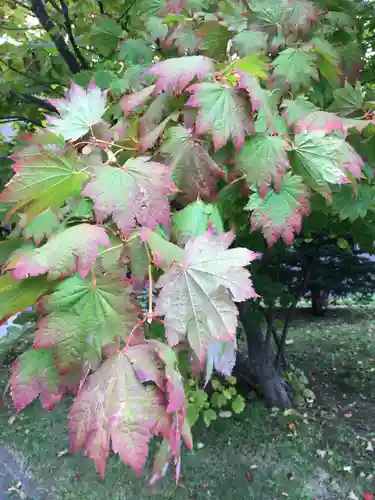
pixel 7 119
pixel 41 103
pixel 40 12
pixel 68 24
pixel 101 6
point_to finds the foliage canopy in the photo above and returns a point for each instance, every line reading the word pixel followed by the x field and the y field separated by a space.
pixel 193 124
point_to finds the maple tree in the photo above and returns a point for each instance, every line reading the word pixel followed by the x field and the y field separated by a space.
pixel 202 142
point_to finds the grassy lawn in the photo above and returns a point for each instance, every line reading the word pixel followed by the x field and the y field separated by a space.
pixel 327 454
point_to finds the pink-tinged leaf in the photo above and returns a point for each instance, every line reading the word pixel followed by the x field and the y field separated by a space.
pixel 79 111
pixel 161 462
pixel 279 214
pixel 195 296
pixel 195 172
pixel 264 159
pixel 175 74
pixel 222 112
pixel 131 101
pixel 115 406
pixel 320 121
pixel 174 387
pixel 73 250
pixel 144 360
pixel 148 139
pixel 135 193
pixel 34 374
pixel 301 16
pixel 353 162
pixel 221 356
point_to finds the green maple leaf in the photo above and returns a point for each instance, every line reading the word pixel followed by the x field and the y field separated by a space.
pixel 351 207
pixel 264 159
pixel 157 29
pixel 214 39
pixel 194 220
pixel 135 255
pixel 16 296
pixel 270 13
pixel 41 227
pixel 295 109
pixel 222 111
pixel 105 34
pixel 74 249
pixel 185 38
pixel 138 191
pixel 279 213
pixel 82 109
pixel 248 42
pixel 164 252
pixel 44 181
pixel 84 316
pixel 297 67
pixel 347 100
pixel 34 374
pixel 194 299
pixel 115 406
pixel 322 159
pixel 194 171
pixel 136 51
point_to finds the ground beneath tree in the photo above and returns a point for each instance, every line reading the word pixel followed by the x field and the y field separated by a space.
pixel 324 452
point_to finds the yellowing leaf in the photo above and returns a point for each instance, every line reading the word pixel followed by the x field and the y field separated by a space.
pixel 16 296
pixel 43 181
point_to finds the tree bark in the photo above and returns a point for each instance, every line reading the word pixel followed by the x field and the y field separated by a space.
pixel 319 302
pixel 275 390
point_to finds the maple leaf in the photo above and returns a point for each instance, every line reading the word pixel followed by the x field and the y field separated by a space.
pixel 321 121
pixel 43 181
pixel 270 13
pixel 214 39
pixel 79 111
pixel 221 356
pixel 279 214
pixel 351 207
pixel 135 256
pixel 321 157
pixel 185 38
pixel 347 100
pixel 114 406
pixel 195 172
pixel 130 102
pixel 136 192
pixel 297 108
pixel 248 42
pixel 302 14
pixel 174 385
pixel 84 316
pixel 175 74
pixel 136 51
pixel 41 227
pixel 264 159
pixel 223 112
pixel 195 219
pixel 34 374
pixel 164 252
pixel 297 67
pixel 194 298
pixel 74 249
pixel 16 296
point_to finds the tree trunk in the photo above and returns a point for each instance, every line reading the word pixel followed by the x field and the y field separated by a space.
pixel 319 302
pixel 275 390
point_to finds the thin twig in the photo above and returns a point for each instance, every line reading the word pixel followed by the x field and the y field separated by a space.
pixel 7 119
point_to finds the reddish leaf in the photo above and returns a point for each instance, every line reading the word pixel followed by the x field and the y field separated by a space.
pixel 222 112
pixel 115 406
pixel 137 192
pixel 175 74
pixel 34 374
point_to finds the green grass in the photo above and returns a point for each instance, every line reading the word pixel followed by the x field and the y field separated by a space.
pixel 325 458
